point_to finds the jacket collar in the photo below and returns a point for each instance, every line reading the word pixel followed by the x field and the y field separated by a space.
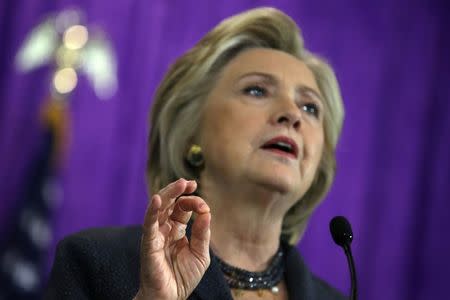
pixel 299 280
pixel 213 284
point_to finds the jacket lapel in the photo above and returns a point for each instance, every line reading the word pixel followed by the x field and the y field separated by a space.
pixel 299 280
pixel 213 284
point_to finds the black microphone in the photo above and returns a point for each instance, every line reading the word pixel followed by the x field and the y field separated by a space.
pixel 342 234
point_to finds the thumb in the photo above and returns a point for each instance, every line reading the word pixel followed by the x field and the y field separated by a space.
pixel 200 237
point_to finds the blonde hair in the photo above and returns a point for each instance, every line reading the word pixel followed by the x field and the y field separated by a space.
pixel 177 107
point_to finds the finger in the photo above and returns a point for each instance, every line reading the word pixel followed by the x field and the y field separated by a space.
pixel 164 215
pixel 151 215
pixel 165 229
pixel 174 189
pixel 170 193
pixel 184 207
pixel 200 237
pixel 177 232
pixel 168 196
pixel 150 228
pixel 191 186
pixel 182 213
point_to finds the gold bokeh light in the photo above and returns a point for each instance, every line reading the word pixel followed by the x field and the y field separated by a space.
pixel 65 80
pixel 75 37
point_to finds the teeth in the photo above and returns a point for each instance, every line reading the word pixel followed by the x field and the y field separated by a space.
pixel 282 144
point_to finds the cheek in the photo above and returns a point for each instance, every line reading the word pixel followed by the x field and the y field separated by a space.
pixel 218 124
pixel 218 128
pixel 314 144
pixel 230 131
pixel 230 120
pixel 317 151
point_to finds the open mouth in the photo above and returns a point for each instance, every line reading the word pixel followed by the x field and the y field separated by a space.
pixel 282 145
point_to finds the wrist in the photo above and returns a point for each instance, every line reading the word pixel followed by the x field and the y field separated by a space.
pixel 141 295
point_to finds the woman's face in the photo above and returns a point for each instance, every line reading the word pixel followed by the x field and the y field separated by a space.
pixel 263 123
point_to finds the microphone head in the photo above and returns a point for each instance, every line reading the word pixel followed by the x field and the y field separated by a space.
pixel 341 231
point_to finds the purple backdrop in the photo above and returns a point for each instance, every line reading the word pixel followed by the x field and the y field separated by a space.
pixel 392 60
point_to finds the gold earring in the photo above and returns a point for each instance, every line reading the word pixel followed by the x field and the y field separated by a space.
pixel 195 156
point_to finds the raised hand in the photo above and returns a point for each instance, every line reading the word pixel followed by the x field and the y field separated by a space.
pixel 172 266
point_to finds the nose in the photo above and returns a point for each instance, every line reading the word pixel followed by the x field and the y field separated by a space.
pixel 288 114
pixel 290 119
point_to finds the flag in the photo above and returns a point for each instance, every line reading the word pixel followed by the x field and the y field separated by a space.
pixel 23 256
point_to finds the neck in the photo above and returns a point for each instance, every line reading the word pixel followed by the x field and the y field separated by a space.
pixel 244 218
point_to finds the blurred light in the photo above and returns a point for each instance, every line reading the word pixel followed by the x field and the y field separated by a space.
pixel 37 229
pixel 75 37
pixel 66 19
pixel 67 57
pixel 38 47
pixel 39 232
pixel 100 66
pixel 65 80
pixel 26 275
pixel 23 273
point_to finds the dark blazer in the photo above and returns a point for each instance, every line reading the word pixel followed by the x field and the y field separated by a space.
pixel 104 264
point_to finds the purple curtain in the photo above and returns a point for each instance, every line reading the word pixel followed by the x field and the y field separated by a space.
pixel 392 60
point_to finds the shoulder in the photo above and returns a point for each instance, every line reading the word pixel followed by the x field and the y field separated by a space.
pixel 95 263
pixel 100 245
pixel 103 239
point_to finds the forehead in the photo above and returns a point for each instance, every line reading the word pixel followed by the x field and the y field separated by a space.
pixel 280 65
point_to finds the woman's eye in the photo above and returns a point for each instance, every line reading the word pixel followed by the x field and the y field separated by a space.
pixel 311 109
pixel 255 91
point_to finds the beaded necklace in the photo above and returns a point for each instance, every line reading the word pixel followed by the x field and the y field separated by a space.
pixel 268 279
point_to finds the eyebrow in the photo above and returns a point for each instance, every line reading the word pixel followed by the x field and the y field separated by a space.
pixel 270 78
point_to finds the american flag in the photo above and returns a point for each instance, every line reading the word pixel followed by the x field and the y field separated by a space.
pixel 23 255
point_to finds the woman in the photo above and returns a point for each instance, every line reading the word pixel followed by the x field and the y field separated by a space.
pixel 243 133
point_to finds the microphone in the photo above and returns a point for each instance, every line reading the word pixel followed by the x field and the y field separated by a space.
pixel 342 234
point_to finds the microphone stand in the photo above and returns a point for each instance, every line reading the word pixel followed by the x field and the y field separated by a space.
pixel 351 266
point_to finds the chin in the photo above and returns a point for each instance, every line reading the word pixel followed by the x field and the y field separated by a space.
pixel 282 183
